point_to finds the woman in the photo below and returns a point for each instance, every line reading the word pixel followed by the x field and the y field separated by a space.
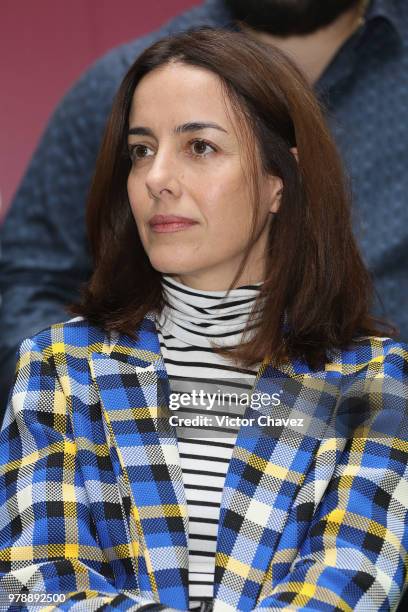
pixel 219 223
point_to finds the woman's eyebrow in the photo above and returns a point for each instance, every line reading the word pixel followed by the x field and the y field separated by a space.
pixel 195 126
pixel 192 126
pixel 140 131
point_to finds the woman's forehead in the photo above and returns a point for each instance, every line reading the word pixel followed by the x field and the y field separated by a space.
pixel 183 92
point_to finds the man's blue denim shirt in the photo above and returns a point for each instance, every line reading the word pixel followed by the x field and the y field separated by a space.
pixel 365 91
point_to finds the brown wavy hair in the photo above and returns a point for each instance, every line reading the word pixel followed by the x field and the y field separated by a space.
pixel 317 292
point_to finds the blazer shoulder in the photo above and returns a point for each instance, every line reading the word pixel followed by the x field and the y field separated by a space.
pixel 370 354
pixel 75 335
pixel 78 338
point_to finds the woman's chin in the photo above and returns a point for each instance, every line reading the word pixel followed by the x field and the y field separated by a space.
pixel 170 265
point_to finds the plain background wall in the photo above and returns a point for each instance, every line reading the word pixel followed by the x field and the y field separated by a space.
pixel 44 46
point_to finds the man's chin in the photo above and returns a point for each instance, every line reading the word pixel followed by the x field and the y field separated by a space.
pixel 285 18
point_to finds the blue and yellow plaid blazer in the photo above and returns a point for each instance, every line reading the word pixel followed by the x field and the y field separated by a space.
pixel 93 502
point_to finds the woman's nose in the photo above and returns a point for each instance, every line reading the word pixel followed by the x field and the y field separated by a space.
pixel 163 177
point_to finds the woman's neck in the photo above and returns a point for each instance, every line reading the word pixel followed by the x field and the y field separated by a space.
pixel 197 317
pixel 213 282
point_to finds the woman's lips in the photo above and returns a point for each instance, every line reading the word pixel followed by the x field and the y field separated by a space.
pixel 174 226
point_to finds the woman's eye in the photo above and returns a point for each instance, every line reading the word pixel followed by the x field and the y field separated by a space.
pixel 201 148
pixel 138 151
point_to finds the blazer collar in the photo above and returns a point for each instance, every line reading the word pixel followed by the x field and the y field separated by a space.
pixel 267 468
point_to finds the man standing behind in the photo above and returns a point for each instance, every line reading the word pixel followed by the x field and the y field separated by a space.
pixel 355 53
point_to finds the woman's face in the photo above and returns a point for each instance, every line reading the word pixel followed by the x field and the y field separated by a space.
pixel 187 162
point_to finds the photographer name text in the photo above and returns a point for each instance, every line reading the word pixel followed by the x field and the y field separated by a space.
pixel 262 420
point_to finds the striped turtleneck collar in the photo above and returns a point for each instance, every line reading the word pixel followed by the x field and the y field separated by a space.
pixel 199 317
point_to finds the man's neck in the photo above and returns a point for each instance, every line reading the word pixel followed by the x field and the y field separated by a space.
pixel 314 52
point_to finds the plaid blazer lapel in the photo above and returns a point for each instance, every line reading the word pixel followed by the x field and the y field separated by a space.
pixel 261 497
pixel 132 389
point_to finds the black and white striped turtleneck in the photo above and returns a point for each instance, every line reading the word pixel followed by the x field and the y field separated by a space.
pixel 188 323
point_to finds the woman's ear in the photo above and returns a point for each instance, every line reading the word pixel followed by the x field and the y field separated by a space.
pixel 276 186
pixel 275 193
pixel 294 152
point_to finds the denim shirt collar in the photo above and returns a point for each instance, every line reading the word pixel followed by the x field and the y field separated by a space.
pixel 387 10
pixel 343 65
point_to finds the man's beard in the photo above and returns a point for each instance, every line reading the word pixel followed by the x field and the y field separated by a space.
pixel 288 17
